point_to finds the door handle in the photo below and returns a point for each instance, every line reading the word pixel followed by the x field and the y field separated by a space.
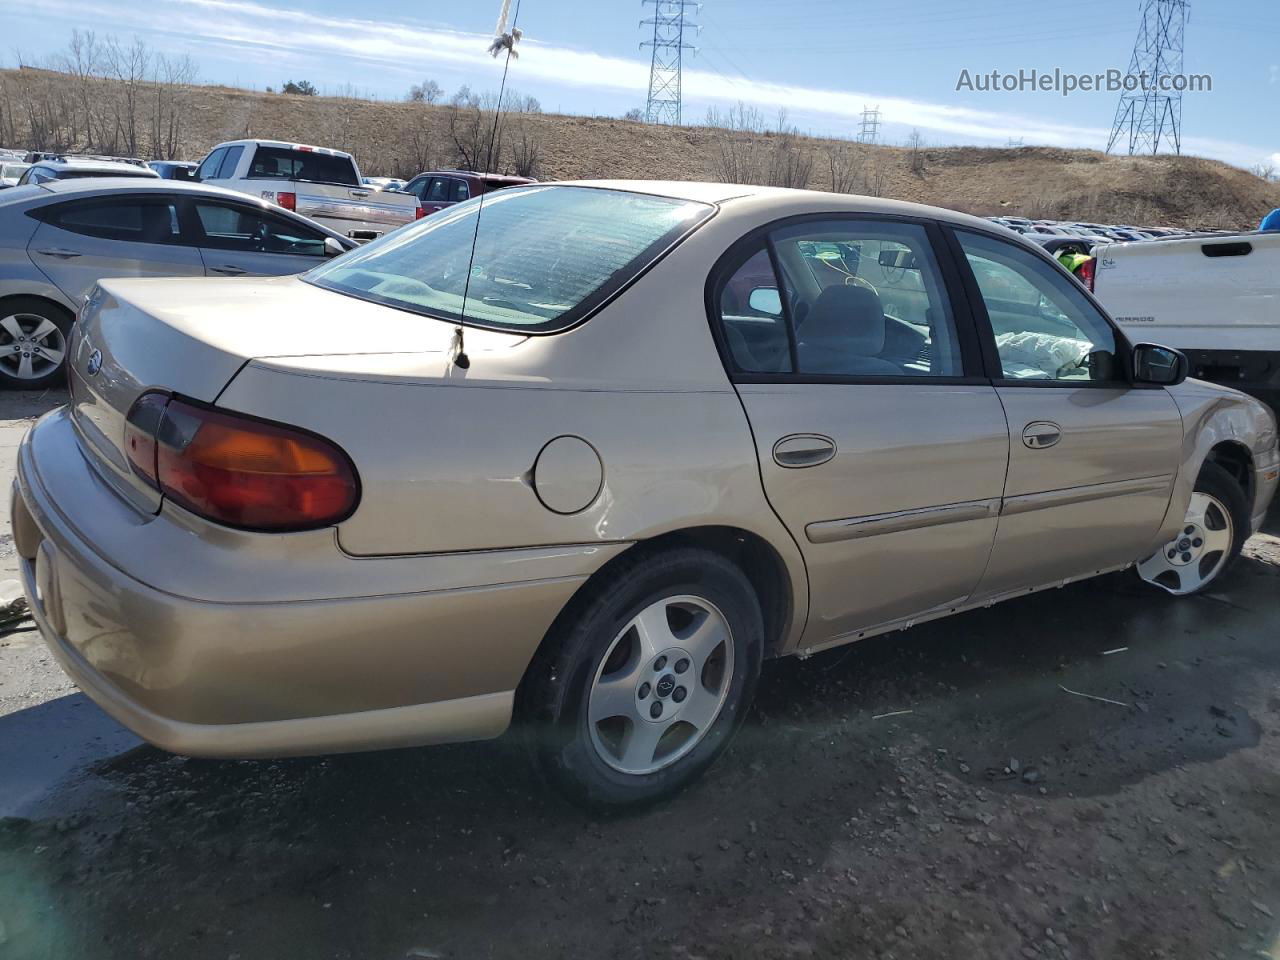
pixel 1041 434
pixel 360 194
pixel 803 450
pixel 229 270
pixel 60 252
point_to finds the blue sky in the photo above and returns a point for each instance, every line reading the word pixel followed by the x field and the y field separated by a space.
pixel 820 59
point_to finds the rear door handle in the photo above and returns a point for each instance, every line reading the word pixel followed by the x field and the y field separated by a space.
pixel 60 252
pixel 360 194
pixel 229 270
pixel 1041 434
pixel 803 450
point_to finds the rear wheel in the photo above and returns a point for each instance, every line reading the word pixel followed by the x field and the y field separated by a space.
pixel 33 342
pixel 646 679
pixel 1209 540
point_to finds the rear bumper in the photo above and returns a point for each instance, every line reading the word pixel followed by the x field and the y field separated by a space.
pixel 276 677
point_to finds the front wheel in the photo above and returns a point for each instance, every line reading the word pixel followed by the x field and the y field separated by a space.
pixel 645 681
pixel 1209 540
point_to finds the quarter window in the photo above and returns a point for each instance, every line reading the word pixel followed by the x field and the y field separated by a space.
pixel 1045 327
pixel 751 317
pixel 460 191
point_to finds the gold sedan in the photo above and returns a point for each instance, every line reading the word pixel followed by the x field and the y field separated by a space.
pixel 587 462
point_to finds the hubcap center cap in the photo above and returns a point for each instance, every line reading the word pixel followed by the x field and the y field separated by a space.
pixel 666 685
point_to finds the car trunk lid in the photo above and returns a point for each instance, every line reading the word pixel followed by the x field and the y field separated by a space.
pixel 138 335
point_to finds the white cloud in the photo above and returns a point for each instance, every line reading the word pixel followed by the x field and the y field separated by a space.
pixel 411 49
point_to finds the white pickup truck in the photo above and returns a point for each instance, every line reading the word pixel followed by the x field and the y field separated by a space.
pixel 1215 298
pixel 321 184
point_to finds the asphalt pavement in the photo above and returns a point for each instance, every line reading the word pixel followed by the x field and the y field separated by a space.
pixel 1088 772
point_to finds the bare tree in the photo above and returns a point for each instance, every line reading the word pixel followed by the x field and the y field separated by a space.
pixel 427 92
pixel 128 66
pixel 1266 171
pixel 169 80
pixel 915 158
pixel 83 60
pixel 740 157
pixel 526 149
pixel 845 164
pixel 635 114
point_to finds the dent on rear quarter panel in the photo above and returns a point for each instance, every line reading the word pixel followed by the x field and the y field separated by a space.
pixel 445 455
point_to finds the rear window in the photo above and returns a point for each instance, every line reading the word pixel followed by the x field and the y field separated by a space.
pixel 308 166
pixel 544 256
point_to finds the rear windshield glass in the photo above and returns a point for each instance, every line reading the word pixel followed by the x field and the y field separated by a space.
pixel 282 163
pixel 544 256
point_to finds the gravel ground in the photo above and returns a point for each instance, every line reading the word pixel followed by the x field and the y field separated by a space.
pixel 936 793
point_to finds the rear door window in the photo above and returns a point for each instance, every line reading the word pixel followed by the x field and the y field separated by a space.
pixel 307 166
pixel 133 219
pixel 460 191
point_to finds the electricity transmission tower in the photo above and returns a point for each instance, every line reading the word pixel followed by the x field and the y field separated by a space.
pixel 1150 114
pixel 668 43
pixel 869 131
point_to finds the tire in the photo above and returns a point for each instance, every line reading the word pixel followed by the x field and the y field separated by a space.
pixel 583 698
pixel 1213 534
pixel 31 329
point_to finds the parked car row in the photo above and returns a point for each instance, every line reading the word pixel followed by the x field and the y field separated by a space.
pixel 1095 232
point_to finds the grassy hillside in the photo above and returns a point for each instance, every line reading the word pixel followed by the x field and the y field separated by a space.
pixel 401 138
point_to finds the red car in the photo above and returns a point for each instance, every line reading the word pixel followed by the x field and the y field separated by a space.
pixel 438 189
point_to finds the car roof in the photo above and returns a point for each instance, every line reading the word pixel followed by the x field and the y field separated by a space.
pixel 784 197
pixel 305 147
pixel 87 163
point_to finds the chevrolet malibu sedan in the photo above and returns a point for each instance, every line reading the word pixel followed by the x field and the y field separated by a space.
pixel 583 464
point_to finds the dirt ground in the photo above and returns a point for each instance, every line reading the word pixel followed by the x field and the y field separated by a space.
pixel 936 793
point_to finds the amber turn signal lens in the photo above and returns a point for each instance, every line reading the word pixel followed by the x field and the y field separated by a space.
pixel 250 473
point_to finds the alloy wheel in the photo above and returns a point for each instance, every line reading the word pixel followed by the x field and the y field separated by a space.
pixel 31 346
pixel 661 685
pixel 1199 551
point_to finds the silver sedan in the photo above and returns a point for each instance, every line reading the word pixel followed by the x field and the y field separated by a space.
pixel 57 239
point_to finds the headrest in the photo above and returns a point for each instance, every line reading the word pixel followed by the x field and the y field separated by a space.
pixel 849 313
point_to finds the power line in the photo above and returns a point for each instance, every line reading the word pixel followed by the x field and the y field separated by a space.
pixel 666 65
pixel 1150 113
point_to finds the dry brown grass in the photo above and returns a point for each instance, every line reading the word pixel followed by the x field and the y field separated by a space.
pixel 401 138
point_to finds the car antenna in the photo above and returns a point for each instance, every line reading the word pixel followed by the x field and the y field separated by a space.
pixel 503 40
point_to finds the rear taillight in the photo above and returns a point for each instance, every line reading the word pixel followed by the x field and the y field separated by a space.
pixel 287 200
pixel 140 429
pixel 1088 270
pixel 238 470
pixel 419 214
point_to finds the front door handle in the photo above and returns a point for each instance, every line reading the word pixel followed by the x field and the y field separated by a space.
pixel 1041 434
pixel 360 194
pixel 229 270
pixel 60 252
pixel 803 450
